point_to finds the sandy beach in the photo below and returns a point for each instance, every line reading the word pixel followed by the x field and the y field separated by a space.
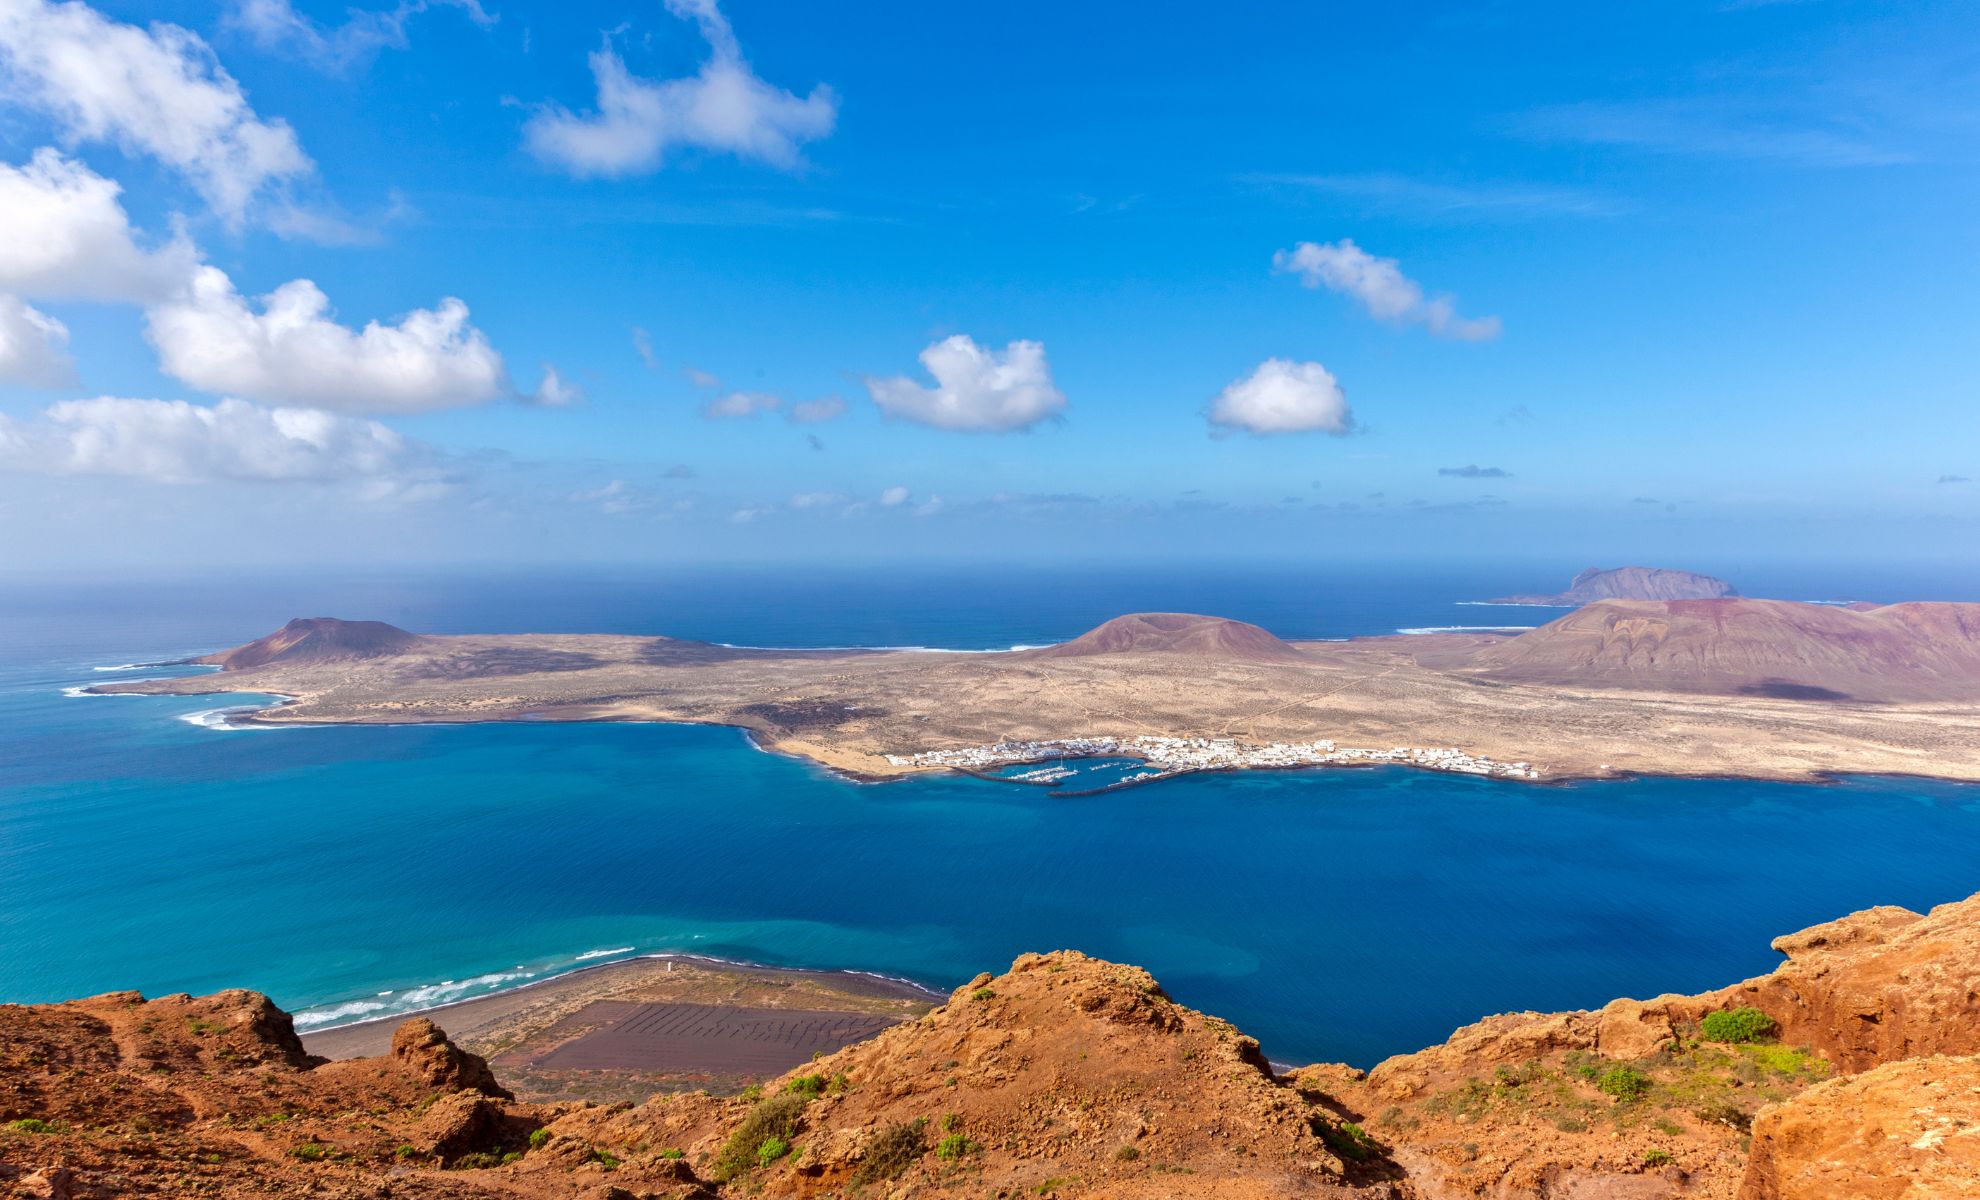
pixel 624 1030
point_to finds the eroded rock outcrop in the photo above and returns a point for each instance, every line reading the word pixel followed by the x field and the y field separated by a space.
pixel 1907 1130
pixel 1065 1076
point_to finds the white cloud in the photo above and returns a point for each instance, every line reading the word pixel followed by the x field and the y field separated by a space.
pixel 617 498
pixel 740 404
pixel 700 378
pixel 555 391
pixel 811 412
pixel 1379 286
pixel 643 346
pixel 818 499
pixel 292 352
pixel 1282 396
pixel 975 388
pixel 33 346
pixel 67 237
pixel 893 497
pixel 276 25
pixel 724 108
pixel 158 91
pixel 171 441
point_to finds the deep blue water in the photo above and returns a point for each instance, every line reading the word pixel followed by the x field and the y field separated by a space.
pixel 1336 915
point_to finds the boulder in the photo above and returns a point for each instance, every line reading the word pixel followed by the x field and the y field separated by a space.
pixel 422 1048
pixel 1905 1131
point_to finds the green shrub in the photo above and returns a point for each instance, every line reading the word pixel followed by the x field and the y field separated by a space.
pixel 1624 1083
pixel 1724 1112
pixel 604 1158
pixel 539 1138
pixel 672 1152
pixel 1657 1158
pixel 310 1152
pixel 808 1086
pixel 1350 1141
pixel 1126 1154
pixel 1737 1025
pixel 953 1147
pixel 772 1149
pixel 982 994
pixel 892 1151
pixel 30 1125
pixel 482 1160
pixel 405 1151
pixel 775 1117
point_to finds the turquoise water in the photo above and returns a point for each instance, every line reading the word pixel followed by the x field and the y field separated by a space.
pixel 1336 915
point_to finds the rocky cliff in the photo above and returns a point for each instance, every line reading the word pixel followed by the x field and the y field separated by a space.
pixel 1850 1068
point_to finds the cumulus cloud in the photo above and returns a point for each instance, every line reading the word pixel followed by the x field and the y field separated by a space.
pixel 171 441
pixel 740 404
pixel 1474 471
pixel 723 108
pixel 1379 286
pixel 811 412
pixel 554 391
pixel 292 351
pixel 68 238
pixel 893 497
pixel 276 25
pixel 1283 396
pixel 33 346
pixel 157 91
pixel 976 389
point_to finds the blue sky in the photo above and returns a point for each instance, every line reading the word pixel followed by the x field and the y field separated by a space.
pixel 1623 281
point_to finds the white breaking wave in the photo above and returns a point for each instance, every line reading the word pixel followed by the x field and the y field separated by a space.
pixel 1416 629
pixel 223 718
pixel 602 953
pixel 412 1000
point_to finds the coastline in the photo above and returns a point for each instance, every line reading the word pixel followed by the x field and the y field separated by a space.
pixel 515 1014
pixel 250 717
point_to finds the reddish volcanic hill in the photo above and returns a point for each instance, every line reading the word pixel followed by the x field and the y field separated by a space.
pixel 1177 633
pixel 1632 583
pixel 1778 648
pixel 317 639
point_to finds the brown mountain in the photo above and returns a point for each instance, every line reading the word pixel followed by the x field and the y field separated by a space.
pixel 317 639
pixel 1176 633
pixel 1064 1077
pixel 1631 583
pixel 1919 651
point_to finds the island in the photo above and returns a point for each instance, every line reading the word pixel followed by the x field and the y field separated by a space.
pixel 1627 583
pixel 1720 687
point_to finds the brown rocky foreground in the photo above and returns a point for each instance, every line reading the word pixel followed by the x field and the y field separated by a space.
pixel 1729 687
pixel 1065 1077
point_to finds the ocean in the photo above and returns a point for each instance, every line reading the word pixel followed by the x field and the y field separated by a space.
pixel 1336 915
